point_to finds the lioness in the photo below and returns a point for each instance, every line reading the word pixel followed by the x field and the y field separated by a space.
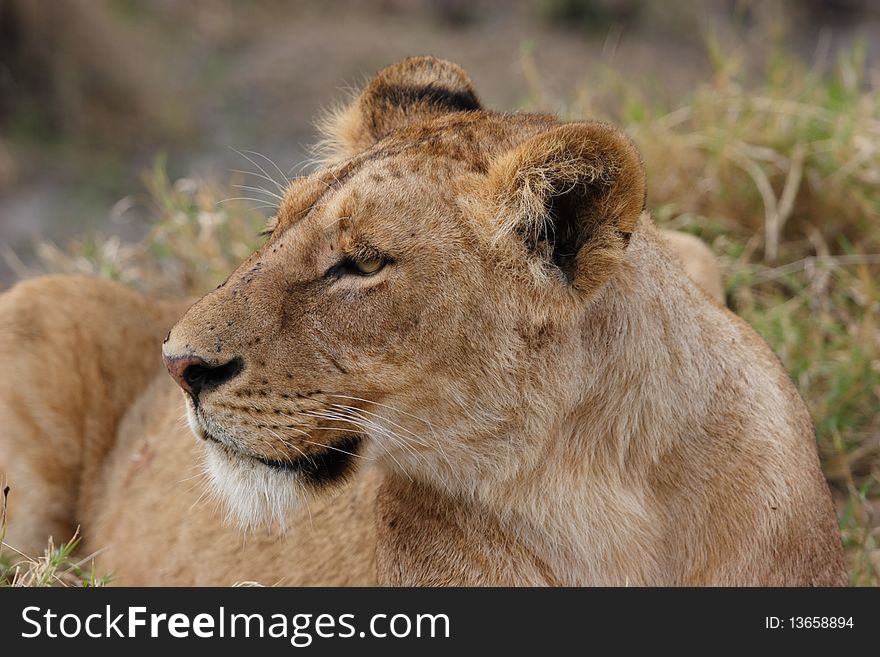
pixel 464 356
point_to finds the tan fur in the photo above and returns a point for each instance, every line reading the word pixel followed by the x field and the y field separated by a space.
pixel 533 389
pixel 698 261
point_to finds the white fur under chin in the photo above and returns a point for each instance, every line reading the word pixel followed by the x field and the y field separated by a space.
pixel 253 494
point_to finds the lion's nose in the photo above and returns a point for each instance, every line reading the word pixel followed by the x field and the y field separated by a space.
pixel 195 374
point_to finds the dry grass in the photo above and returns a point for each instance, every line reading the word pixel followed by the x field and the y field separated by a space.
pixel 780 177
pixel 202 231
pixel 56 567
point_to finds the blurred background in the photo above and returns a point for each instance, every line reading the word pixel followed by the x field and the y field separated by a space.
pixel 145 141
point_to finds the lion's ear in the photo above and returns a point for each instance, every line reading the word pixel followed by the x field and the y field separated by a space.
pixel 412 90
pixel 573 195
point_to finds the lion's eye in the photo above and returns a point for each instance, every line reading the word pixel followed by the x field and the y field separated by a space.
pixel 369 266
pixel 365 265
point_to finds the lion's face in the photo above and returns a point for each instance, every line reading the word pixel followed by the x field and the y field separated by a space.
pixel 403 297
pixel 351 332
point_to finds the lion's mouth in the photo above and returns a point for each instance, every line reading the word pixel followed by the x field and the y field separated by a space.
pixel 328 464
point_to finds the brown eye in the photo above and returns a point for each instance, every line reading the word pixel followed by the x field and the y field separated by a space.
pixel 369 266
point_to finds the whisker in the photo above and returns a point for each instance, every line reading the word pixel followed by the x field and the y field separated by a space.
pixel 336 221
pixel 288 444
pixel 396 410
pixel 368 425
pixel 305 433
pixel 355 417
pixel 242 198
pixel 302 165
pixel 402 469
pixel 255 174
pixel 391 408
pixel 336 449
pixel 272 162
pixel 186 479
pixel 259 189
pixel 205 492
pixel 402 428
pixel 262 170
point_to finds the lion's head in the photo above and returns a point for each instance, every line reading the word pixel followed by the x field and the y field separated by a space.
pixel 418 298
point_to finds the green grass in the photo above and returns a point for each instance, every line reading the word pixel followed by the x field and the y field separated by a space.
pixel 56 567
pixel 779 176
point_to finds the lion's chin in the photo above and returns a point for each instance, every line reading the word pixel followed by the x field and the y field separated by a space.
pixel 262 492
pixel 255 495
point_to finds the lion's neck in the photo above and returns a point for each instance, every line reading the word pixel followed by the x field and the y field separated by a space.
pixel 641 386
